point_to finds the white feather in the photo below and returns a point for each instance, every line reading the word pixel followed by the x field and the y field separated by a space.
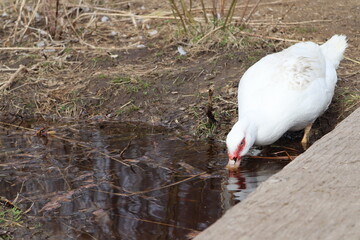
pixel 285 91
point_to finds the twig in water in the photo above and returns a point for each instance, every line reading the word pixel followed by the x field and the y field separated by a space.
pixel 159 223
pixel 68 140
pixel 154 189
pixel 125 148
pixel 274 158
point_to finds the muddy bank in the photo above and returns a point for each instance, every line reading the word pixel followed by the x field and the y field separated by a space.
pixel 117 70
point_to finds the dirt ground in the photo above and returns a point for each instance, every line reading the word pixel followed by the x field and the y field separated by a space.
pixel 104 60
pixel 103 63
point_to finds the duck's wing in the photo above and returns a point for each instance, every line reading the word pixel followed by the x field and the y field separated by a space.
pixel 286 85
pixel 302 64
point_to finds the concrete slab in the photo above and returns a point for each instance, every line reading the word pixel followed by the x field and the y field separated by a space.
pixel 316 196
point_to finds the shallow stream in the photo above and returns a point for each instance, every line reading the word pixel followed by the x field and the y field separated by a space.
pixel 123 181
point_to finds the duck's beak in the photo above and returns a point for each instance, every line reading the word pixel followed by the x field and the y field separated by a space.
pixel 233 163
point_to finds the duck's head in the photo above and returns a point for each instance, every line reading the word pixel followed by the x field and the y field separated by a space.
pixel 238 142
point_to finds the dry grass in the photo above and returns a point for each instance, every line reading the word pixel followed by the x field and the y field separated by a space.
pixel 74 53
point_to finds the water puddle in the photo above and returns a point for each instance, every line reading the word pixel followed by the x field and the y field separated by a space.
pixel 123 181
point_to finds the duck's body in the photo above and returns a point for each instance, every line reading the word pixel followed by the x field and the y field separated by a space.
pixel 285 91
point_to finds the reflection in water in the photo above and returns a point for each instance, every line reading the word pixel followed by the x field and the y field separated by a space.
pixel 79 191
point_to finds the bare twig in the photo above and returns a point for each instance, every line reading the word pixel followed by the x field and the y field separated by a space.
pixel 56 16
pixel 18 20
pixel 243 13
pixel 8 69
pixel 290 23
pixel 214 10
pixel 30 20
pixel 268 37
pixel 73 47
pixel 275 158
pixel 78 36
pixel 204 11
pixel 123 151
pixel 208 34
pixel 11 80
pixel 352 60
pixel 154 189
pixel 12 222
pixel 176 10
pixel 230 13
pixel 158 223
pixel 222 8
pixel 252 11
pixel 209 112
pixel 129 102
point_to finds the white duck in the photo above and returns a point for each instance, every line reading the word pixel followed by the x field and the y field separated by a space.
pixel 284 91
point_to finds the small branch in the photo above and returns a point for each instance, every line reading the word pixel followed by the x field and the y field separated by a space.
pixel 252 11
pixel 30 21
pixel 56 16
pixel 11 80
pixel 176 10
pixel 230 13
pixel 18 20
pixel 74 48
pixel 209 33
pixel 275 158
pixel 209 111
pixel 204 11
pixel 129 102
pixel 352 60
pixel 154 189
pixel 8 69
pixel 123 151
pixel 243 13
pixel 267 37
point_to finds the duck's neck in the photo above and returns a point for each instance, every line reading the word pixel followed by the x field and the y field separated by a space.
pixel 251 129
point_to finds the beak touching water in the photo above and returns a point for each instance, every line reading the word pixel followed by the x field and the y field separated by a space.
pixel 234 162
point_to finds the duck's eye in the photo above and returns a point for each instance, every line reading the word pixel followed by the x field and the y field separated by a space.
pixel 242 142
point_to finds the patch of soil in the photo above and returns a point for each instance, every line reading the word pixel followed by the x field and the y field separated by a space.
pixel 149 81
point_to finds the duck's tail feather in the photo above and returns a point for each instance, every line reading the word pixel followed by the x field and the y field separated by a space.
pixel 334 49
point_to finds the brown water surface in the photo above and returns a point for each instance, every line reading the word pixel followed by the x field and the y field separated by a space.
pixel 78 189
